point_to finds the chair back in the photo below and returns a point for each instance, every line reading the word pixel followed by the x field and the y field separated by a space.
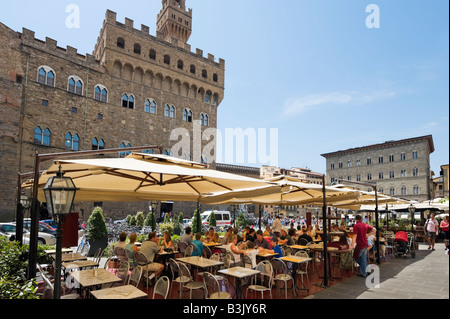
pixel 302 241
pixel 195 250
pixel 162 287
pixel 122 271
pixel 184 271
pixel 211 285
pixel 287 251
pixel 206 252
pixel 279 267
pixel 182 247
pixel 174 268
pixel 227 261
pixel 188 251
pixel 266 269
pixel 246 262
pixel 302 253
pixel 142 259
pixel 135 276
pixel 121 253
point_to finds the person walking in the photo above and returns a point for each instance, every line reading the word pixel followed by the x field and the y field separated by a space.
pixel 361 232
pixel 431 231
pixel 444 227
pixel 276 226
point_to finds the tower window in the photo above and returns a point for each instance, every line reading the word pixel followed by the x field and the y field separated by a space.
pixel 192 69
pixel 128 101
pixel 215 77
pixel 180 65
pixel 204 74
pixel 42 137
pixel 167 59
pixel 137 48
pixel 152 54
pixel 120 43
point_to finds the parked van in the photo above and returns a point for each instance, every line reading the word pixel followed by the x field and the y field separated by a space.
pixel 223 217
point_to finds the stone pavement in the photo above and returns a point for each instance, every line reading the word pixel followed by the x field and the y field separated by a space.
pixel 423 277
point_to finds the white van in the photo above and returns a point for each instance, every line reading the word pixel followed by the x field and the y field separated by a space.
pixel 223 217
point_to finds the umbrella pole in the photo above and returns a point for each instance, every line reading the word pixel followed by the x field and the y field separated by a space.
pixel 325 235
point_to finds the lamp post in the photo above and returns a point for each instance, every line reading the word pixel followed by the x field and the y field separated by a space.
pixel 153 206
pixel 59 193
pixel 412 210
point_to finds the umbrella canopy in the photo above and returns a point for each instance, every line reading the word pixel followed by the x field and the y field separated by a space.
pixel 291 191
pixel 143 177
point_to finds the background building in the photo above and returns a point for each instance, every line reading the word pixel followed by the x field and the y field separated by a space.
pixel 399 168
pixel 135 89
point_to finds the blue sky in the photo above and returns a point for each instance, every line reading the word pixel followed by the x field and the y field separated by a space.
pixel 309 68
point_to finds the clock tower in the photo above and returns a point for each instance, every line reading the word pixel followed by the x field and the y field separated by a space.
pixel 174 21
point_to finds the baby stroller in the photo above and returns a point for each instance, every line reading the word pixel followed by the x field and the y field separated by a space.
pixel 404 244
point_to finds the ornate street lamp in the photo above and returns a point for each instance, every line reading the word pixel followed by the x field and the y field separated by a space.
pixel 412 210
pixel 59 193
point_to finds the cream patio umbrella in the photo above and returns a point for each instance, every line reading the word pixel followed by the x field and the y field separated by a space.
pixel 291 191
pixel 143 177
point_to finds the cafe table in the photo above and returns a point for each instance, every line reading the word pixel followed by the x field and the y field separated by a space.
pixel 239 273
pixel 92 278
pixel 296 261
pixel 200 262
pixel 53 251
pixel 300 247
pixel 330 250
pixel 72 257
pixel 211 244
pixel 122 292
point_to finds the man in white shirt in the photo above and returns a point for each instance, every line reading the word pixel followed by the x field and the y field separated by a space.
pixel 431 231
pixel 276 226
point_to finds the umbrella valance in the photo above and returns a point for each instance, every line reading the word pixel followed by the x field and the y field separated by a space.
pixel 291 191
pixel 142 177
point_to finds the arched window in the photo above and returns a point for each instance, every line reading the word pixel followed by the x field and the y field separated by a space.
pixel 215 77
pixel 192 69
pixel 124 145
pixel 42 137
pixel 204 119
pixel 137 48
pixel 75 85
pixel 46 76
pixel 152 54
pixel 203 160
pixel 120 43
pixel 150 106
pixel 180 65
pixel 128 101
pixel 101 93
pixel 98 144
pixel 148 151
pixel 208 97
pixel 167 59
pixel 204 73
pixel 72 142
pixel 167 110
pixel 187 115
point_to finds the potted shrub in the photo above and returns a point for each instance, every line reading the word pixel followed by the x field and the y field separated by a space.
pixel 97 233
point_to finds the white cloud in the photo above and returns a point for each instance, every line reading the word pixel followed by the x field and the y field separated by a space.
pixel 303 104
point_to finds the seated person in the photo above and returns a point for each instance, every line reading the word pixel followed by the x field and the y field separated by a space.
pixel 132 250
pixel 167 241
pixel 341 244
pixel 268 232
pixel 250 236
pixel 150 248
pixel 304 236
pixel 122 243
pixel 261 241
pixel 285 238
pixel 210 235
pixel 252 252
pixel 275 248
pixel 197 242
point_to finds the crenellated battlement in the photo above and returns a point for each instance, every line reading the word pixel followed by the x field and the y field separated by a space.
pixel 50 45
pixel 144 32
